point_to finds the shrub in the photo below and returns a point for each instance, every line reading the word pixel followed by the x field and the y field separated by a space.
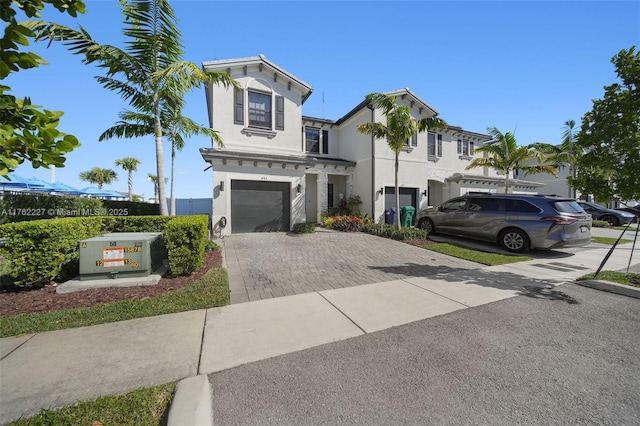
pixel 389 231
pixel 599 223
pixel 379 229
pixel 335 212
pixel 304 228
pixel 43 250
pixel 211 246
pixel 409 234
pixel 134 223
pixel 346 223
pixel 185 237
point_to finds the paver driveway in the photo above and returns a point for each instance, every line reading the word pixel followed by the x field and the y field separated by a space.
pixel 275 264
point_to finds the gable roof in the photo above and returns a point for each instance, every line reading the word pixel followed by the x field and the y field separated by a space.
pixel 263 63
pixel 402 93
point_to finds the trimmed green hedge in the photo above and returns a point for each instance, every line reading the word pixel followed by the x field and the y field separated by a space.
pixel 185 237
pixel 16 207
pixel 45 250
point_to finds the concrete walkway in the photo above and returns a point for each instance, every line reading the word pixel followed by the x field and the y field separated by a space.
pixel 53 369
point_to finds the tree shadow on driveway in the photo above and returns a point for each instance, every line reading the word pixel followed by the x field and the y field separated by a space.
pixel 538 288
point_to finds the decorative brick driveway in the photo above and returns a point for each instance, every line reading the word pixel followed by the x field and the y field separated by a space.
pixel 275 264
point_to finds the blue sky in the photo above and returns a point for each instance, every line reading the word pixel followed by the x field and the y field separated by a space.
pixel 523 66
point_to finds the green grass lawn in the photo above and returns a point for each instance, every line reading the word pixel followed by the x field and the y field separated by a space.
pixel 142 407
pixel 482 257
pixel 608 240
pixel 632 279
pixel 209 291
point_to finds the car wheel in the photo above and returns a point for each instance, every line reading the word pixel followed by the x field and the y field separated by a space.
pixel 427 226
pixel 514 240
pixel 614 221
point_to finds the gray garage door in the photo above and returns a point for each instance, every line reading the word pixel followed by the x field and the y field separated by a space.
pixel 258 206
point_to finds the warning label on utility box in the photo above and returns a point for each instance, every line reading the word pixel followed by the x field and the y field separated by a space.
pixel 112 256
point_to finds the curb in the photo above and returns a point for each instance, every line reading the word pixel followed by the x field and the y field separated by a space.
pixel 611 287
pixel 192 403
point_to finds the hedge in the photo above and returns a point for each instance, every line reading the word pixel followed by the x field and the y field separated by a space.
pixel 185 237
pixel 44 250
pixel 17 207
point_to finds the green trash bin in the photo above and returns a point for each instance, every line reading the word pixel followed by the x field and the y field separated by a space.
pixel 406 216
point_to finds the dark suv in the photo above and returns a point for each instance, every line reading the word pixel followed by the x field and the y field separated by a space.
pixel 516 222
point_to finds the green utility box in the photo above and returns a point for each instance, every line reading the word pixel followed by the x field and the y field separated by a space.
pixel 406 216
pixel 121 255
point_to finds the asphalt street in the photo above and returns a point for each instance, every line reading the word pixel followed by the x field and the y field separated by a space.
pixel 568 355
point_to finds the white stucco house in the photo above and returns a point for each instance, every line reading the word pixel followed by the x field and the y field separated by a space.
pixel 280 167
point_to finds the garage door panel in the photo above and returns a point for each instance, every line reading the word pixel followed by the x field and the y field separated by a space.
pixel 259 206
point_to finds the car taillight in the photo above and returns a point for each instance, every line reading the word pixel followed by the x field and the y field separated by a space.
pixel 560 220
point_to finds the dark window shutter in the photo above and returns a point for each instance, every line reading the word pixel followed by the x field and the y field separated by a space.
pixel 279 112
pixel 238 110
pixel 325 141
pixel 414 140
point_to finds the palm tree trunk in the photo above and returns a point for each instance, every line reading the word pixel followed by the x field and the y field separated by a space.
pixel 173 198
pixel 130 182
pixel 506 181
pixel 397 191
pixel 162 194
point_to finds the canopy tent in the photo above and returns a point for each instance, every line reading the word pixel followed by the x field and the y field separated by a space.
pixel 13 182
pixel 19 183
pixel 92 191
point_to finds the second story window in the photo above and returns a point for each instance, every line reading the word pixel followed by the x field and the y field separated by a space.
pixel 431 144
pixel 259 110
pixel 316 140
pixel 412 141
pixel 312 139
pixel 465 147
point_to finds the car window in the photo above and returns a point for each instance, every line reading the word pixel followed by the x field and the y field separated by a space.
pixel 458 204
pixel 484 204
pixel 566 206
pixel 589 207
pixel 520 206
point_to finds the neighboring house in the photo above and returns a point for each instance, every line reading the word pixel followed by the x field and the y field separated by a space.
pixel 279 167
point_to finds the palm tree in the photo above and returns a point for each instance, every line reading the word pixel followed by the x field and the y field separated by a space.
pixel 178 128
pixel 400 127
pixel 99 176
pixel 564 154
pixel 153 178
pixel 504 155
pixel 152 75
pixel 130 165
pixel 140 124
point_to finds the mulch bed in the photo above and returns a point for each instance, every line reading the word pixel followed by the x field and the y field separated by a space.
pixel 14 301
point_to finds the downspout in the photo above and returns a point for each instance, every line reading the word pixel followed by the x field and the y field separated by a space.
pixel 373 164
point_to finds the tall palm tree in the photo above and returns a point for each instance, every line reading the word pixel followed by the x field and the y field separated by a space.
pixel 565 154
pixel 177 127
pixel 99 176
pixel 400 126
pixel 150 70
pixel 130 165
pixel 154 178
pixel 504 155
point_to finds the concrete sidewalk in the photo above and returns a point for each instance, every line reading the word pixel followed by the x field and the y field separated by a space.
pixel 53 369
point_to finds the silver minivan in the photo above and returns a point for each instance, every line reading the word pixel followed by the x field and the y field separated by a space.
pixel 515 222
